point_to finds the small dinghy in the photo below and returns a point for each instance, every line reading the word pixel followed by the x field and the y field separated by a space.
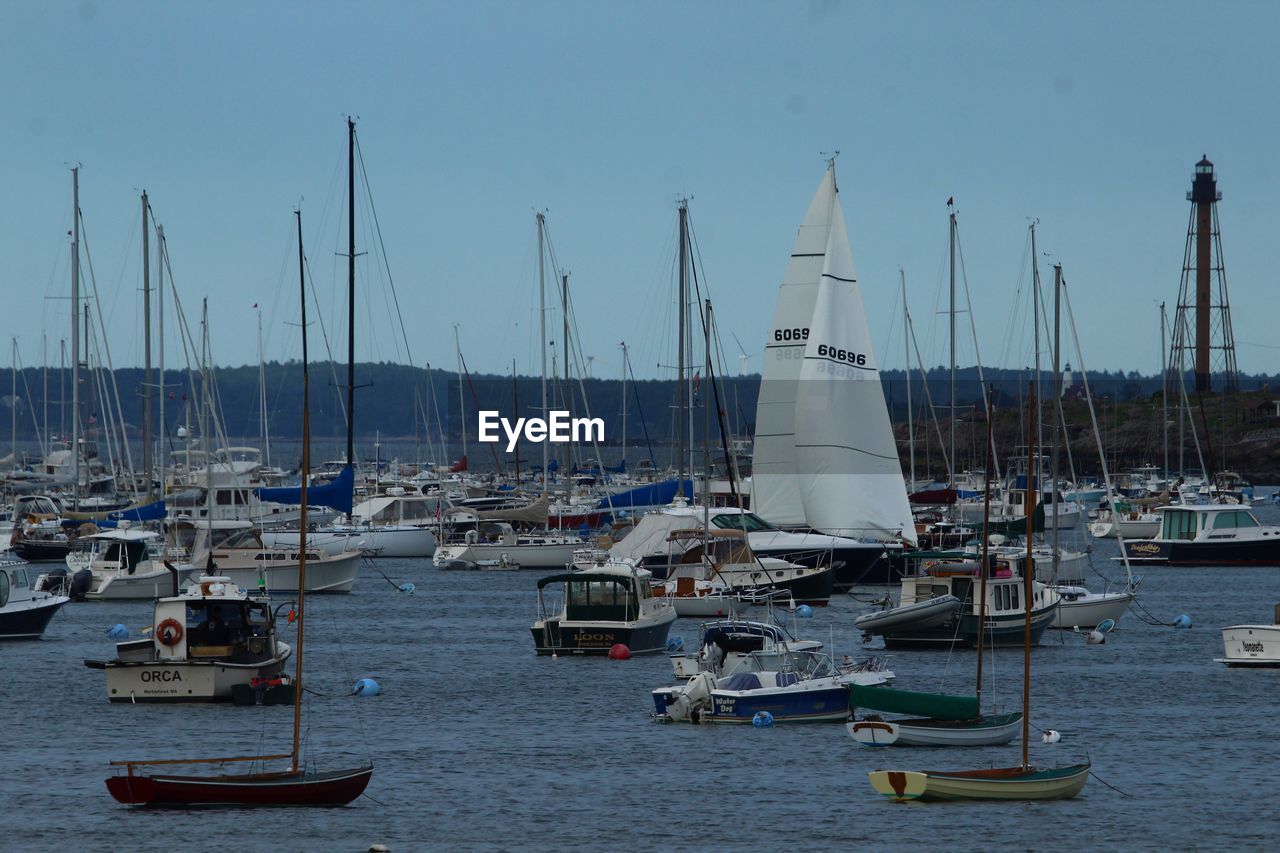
pixel 922 614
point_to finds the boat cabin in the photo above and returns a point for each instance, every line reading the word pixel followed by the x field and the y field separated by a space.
pixel 120 551
pixel 602 595
pixel 1189 523
pixel 1006 585
pixel 215 619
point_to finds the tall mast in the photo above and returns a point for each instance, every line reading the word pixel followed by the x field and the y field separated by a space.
pixel 1057 406
pixel 906 373
pixel 515 391
pixel 681 392
pixel 262 395
pixel 13 409
pixel 1035 321
pixel 148 473
pixel 1164 397
pixel 75 335
pixel 706 419
pixel 542 338
pixel 462 405
pixel 568 392
pixel 624 404
pixel 302 512
pixel 351 290
pixel 164 429
pixel 1028 570
pixel 44 419
pixel 988 464
pixel 951 456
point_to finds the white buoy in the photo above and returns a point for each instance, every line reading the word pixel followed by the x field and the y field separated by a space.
pixel 1050 736
pixel 1095 638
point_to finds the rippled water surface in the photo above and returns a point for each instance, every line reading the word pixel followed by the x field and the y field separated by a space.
pixel 477 743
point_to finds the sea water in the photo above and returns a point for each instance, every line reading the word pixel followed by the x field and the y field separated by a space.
pixel 478 744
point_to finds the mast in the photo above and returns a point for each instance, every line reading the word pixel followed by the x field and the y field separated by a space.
pixel 351 290
pixel 75 335
pixel 706 423
pixel 302 512
pixel 44 420
pixel 147 471
pixel 951 456
pixel 624 404
pixel 462 404
pixel 1035 325
pixel 986 548
pixel 515 390
pixel 1164 397
pixel 682 399
pixel 1057 404
pixel 906 345
pixel 568 392
pixel 1028 570
pixel 542 338
pixel 262 395
pixel 164 429
pixel 13 409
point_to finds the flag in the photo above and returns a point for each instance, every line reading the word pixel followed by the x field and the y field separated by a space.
pixel 951 200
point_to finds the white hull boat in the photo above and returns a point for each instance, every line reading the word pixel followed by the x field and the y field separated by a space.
pixel 986 731
pixel 1079 608
pixel 278 571
pixel 542 555
pixel 921 614
pixel 1251 645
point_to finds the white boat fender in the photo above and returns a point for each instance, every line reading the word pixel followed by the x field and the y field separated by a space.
pixel 118 631
pixel 762 720
pixel 366 687
pixel 1095 638
pixel 1051 736
pixel 1183 621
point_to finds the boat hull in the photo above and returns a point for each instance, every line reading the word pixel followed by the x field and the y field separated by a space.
pixel 787 705
pixel 29 622
pixel 1005 631
pixel 337 788
pixel 984 731
pixel 135 587
pixel 333 574
pixel 568 638
pixel 1087 610
pixel 184 681
pixel 544 557
pixel 854 564
pixel 1251 645
pixel 41 551
pixel 1003 783
pixel 1252 552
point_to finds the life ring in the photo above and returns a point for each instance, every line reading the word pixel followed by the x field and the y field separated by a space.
pixel 169 632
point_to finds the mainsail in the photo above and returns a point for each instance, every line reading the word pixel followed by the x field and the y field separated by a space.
pixel 846 456
pixel 775 486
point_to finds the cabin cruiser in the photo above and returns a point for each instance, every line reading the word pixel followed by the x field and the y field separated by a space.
pixel 125 564
pixel 394 524
pixel 725 557
pixel 1252 645
pixel 205 643
pixel 727 642
pixel 24 612
pixel 235 549
pixel 488 537
pixel 601 608
pixel 1207 535
pixel 939 606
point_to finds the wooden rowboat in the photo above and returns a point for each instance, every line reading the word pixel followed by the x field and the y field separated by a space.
pixel 997 783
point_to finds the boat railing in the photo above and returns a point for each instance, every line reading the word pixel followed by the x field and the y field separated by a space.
pixel 132 764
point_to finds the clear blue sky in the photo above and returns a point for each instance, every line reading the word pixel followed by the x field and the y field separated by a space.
pixel 472 115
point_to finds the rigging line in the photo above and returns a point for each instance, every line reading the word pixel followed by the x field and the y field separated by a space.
pixel 93 280
pixel 22 370
pixel 382 249
pixel 977 354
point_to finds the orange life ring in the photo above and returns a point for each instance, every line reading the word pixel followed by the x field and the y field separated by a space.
pixel 169 632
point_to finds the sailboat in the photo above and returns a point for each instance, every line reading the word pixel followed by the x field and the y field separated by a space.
pixel 938 719
pixel 1022 782
pixel 825 455
pixel 292 786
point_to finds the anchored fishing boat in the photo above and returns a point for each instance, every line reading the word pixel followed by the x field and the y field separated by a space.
pixel 601 608
pixel 203 643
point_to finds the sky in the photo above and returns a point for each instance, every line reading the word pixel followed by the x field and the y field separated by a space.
pixel 473 116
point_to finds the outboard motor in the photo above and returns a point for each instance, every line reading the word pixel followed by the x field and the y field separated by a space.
pixel 81 581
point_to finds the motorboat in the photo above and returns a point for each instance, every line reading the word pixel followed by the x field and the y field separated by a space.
pixel 944 625
pixel 204 644
pixel 1208 535
pixel 498 541
pixel 235 549
pixel 726 643
pixel 24 612
pixel 791 685
pixel 1125 520
pixel 1252 645
pixel 395 524
pixel 726 557
pixel 126 564
pixel 601 608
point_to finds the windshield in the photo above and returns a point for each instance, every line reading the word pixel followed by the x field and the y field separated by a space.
pixel 741 521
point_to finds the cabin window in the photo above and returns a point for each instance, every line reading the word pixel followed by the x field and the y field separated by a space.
pixel 4 587
pixel 741 521
pixel 1179 525
pixel 1232 520
pixel 20 577
pixel 600 600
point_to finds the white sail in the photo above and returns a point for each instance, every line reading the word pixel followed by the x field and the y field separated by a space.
pixel 847 459
pixel 775 484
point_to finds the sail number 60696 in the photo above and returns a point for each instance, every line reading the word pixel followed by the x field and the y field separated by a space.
pixel 845 355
